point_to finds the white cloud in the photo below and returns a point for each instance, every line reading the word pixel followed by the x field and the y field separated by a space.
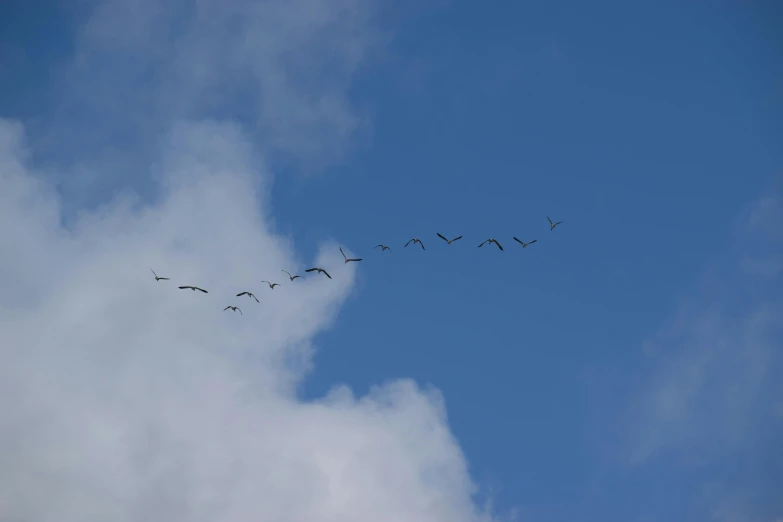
pixel 126 399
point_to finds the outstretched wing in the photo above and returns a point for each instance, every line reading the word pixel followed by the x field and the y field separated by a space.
pixel 376 246
pixel 186 288
pixel 287 272
pixel 518 241
pixel 295 277
pixel 327 273
pixel 153 272
pixel 558 223
pixel 357 259
pixel 456 238
pixel 482 244
pixel 443 238
pixel 311 270
pixel 532 241
pixel 254 297
pixel 241 294
pixel 343 253
pixel 409 242
pixel 550 221
pixel 421 244
pixel 267 282
pixel 226 308
pixel 498 244
pixel 164 278
pixel 240 311
pixel 201 290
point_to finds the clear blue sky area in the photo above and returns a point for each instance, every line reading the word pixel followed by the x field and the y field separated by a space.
pixel 652 130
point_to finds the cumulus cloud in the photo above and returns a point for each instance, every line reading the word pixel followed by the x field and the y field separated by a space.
pixel 124 398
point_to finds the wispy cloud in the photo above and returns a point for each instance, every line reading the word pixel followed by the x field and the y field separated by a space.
pixel 713 394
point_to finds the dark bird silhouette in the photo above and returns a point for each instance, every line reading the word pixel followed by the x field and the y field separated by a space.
pixel 291 277
pixel 271 285
pixel 552 225
pixel 383 247
pixel 491 240
pixel 194 288
pixel 414 241
pixel 348 259
pixel 233 308
pixel 523 243
pixel 448 241
pixel 320 271
pixel 249 294
pixel 159 278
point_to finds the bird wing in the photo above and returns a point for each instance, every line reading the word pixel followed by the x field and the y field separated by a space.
pixel 153 272
pixel 295 277
pixel 164 278
pixel 550 221
pixel 267 282
pixel 498 244
pixel 241 294
pixel 327 273
pixel 408 243
pixel 185 287
pixel 226 308
pixel 357 259
pixel 482 244
pixel 311 270
pixel 532 241
pixel 343 253
pixel 240 311
pixel 202 290
pixel 376 246
pixel 421 244
pixel 558 223
pixel 443 238
pixel 287 272
pixel 518 241
pixel 456 238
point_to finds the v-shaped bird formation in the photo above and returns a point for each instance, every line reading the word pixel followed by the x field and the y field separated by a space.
pixel 346 259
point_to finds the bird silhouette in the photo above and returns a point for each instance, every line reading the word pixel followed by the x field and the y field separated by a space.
pixel 491 240
pixel 383 247
pixel 159 278
pixel 524 245
pixel 194 288
pixel 320 271
pixel 291 277
pixel 414 241
pixel 348 259
pixel 552 225
pixel 448 241
pixel 249 294
pixel 271 285
pixel 233 308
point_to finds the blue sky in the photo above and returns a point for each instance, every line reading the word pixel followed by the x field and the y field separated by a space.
pixel 621 368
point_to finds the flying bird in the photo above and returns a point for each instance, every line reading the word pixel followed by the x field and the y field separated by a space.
pixel 523 243
pixel 448 241
pixel 249 294
pixel 159 278
pixel 271 285
pixel 348 259
pixel 383 247
pixel 491 240
pixel 234 308
pixel 414 241
pixel 291 277
pixel 194 288
pixel 552 225
pixel 320 271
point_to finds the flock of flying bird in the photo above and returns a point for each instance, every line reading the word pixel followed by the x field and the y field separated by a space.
pixel 347 259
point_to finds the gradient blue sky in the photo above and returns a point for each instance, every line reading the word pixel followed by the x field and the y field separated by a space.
pixel 626 366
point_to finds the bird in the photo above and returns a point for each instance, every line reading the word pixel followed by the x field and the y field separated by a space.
pixel 249 294
pixel 491 240
pixel 234 308
pixel 271 285
pixel 159 278
pixel 291 277
pixel 552 225
pixel 194 288
pixel 523 243
pixel 348 259
pixel 320 271
pixel 383 247
pixel 448 242
pixel 414 241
